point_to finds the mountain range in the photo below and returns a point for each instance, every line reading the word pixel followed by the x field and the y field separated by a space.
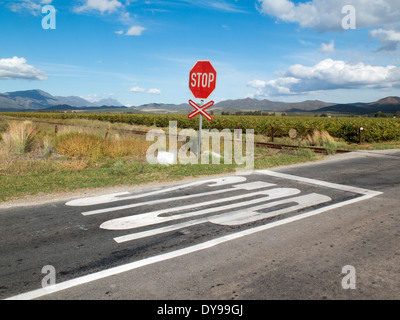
pixel 32 100
pixel 38 100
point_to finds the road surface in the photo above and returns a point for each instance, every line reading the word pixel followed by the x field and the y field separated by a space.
pixel 287 233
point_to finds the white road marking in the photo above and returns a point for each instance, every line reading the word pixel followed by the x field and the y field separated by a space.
pixel 154 217
pixel 252 214
pixel 244 186
pixel 174 254
pixel 236 217
pixel 319 182
pixel 119 196
pixel 365 194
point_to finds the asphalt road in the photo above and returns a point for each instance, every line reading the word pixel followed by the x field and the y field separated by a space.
pixel 286 233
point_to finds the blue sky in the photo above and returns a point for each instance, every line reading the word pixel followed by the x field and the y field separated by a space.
pixel 142 51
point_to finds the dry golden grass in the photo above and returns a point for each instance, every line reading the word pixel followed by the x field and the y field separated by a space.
pixel 79 145
pixel 63 130
pixel 47 145
pixel 6 158
pixel 318 138
pixel 19 137
pixel 74 165
pixel 94 147
pixel 118 146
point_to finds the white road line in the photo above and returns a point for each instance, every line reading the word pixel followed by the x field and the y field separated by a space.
pixel 119 196
pixel 252 214
pixel 244 186
pixel 236 217
pixel 153 202
pixel 367 194
pixel 319 183
pixel 174 254
pixel 153 232
pixel 154 217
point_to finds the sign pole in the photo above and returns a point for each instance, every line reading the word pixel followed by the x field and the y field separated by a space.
pixel 202 82
pixel 200 127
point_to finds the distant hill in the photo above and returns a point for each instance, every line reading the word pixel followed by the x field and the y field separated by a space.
pixel 386 105
pixel 38 100
pixel 108 102
pixel 387 101
pixel 247 104
pixel 74 101
pixel 32 100
pixel 267 105
pixel 164 108
pixel 65 107
pixel 250 105
pixel 342 108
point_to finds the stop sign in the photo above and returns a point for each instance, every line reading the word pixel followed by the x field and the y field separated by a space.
pixel 202 79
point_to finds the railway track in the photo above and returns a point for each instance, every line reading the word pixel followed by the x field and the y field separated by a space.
pixel 294 147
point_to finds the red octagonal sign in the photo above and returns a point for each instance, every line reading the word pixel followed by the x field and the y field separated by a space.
pixel 202 79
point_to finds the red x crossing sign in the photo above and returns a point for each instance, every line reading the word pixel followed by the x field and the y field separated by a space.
pixel 202 82
pixel 200 109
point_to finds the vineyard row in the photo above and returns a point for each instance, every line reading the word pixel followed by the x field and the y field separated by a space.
pixel 348 129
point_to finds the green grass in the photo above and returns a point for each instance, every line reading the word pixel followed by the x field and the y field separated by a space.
pixel 31 177
pixel 44 171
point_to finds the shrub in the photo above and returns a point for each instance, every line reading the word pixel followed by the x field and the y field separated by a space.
pixel 19 137
pixel 117 147
pixel 79 145
pixel 94 147
pixel 319 139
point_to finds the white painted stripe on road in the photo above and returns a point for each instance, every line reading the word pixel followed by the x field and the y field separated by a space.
pixel 154 217
pixel 319 183
pixel 177 253
pixel 240 217
pixel 153 202
pixel 236 217
pixel 367 194
pixel 244 186
pixel 90 201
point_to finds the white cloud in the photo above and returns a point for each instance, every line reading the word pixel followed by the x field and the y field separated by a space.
pixel 389 39
pixel 31 6
pixel 17 68
pixel 326 15
pixel 258 84
pixel 219 5
pixel 103 6
pixel 150 91
pixel 327 48
pixel 135 31
pixel 125 16
pixel 154 91
pixel 328 75
pixel 137 89
pixel 277 87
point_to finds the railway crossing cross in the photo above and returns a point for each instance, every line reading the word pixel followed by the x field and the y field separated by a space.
pixel 202 82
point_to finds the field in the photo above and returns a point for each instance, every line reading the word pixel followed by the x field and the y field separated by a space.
pixel 43 153
pixel 347 129
pixel 39 157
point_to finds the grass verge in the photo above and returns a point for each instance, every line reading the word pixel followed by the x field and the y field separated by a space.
pixel 33 160
pixel 25 177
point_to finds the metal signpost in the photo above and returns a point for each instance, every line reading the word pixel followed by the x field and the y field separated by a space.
pixel 202 82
